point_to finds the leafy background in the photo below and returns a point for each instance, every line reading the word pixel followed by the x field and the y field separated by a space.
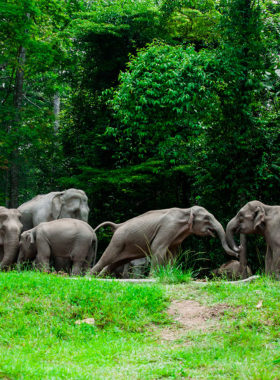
pixel 162 104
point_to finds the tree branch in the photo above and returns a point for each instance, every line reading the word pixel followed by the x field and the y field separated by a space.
pixel 31 102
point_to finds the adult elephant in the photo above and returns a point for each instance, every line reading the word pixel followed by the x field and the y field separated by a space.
pixel 256 218
pixel 71 203
pixel 10 228
pixel 155 233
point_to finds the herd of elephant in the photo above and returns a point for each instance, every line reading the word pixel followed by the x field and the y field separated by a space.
pixel 52 229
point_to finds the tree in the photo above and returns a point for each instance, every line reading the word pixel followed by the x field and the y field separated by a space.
pixel 33 46
pixel 215 128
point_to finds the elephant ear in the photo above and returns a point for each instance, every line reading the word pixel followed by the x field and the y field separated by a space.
pixel 2 217
pixel 190 221
pixel 260 216
pixel 57 205
pixel 29 239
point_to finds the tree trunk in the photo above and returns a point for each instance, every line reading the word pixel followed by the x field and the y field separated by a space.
pixel 56 110
pixel 7 180
pixel 17 102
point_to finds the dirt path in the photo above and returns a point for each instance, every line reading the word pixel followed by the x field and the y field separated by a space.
pixel 191 315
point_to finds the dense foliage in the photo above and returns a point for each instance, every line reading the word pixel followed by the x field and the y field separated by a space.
pixel 162 104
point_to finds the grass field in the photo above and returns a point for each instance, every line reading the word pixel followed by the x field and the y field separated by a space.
pixel 40 340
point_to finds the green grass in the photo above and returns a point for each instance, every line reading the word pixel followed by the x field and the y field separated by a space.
pixel 171 274
pixel 39 338
pixel 178 270
pixel 38 335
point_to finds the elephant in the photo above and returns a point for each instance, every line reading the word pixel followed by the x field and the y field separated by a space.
pixel 62 238
pixel 71 203
pixel 137 268
pixel 231 270
pixel 154 234
pixel 256 218
pixel 10 229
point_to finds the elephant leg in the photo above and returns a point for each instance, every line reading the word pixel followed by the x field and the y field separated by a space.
pixel 158 254
pixel 62 264
pixel 275 266
pixel 114 253
pixel 112 263
pixel 125 271
pixel 172 254
pixel 77 267
pixel 43 255
pixel 113 268
pixel 1 253
pixel 162 249
pixel 87 264
pixel 117 270
pixel 268 260
pixel 20 259
pixel 139 267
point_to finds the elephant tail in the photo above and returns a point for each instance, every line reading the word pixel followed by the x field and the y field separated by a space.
pixel 95 242
pixel 114 226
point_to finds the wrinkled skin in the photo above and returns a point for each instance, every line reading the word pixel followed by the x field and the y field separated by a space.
pixel 63 238
pixel 231 270
pixel 156 232
pixel 256 218
pixel 10 229
pixel 71 203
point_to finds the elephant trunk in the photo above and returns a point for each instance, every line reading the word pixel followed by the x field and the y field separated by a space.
pixel 221 233
pixel 231 228
pixel 83 214
pixel 11 244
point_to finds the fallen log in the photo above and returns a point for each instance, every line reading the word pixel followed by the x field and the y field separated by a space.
pixel 249 279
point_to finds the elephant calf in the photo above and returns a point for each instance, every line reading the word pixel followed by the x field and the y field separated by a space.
pixel 231 270
pixel 63 238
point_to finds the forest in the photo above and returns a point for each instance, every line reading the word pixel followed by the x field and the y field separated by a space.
pixel 143 104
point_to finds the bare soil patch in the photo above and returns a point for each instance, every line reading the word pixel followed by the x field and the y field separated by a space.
pixel 191 315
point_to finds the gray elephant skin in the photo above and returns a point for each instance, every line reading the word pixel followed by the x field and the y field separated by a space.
pixel 155 233
pixel 256 218
pixel 63 238
pixel 71 203
pixel 10 229
pixel 231 270
pixel 134 269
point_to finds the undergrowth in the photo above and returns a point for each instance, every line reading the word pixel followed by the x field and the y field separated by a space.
pixel 176 270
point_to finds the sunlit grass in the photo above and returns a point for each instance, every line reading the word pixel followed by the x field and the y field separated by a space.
pixel 40 340
pixel 176 270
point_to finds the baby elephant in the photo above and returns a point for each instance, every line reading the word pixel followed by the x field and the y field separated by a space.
pixel 65 238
